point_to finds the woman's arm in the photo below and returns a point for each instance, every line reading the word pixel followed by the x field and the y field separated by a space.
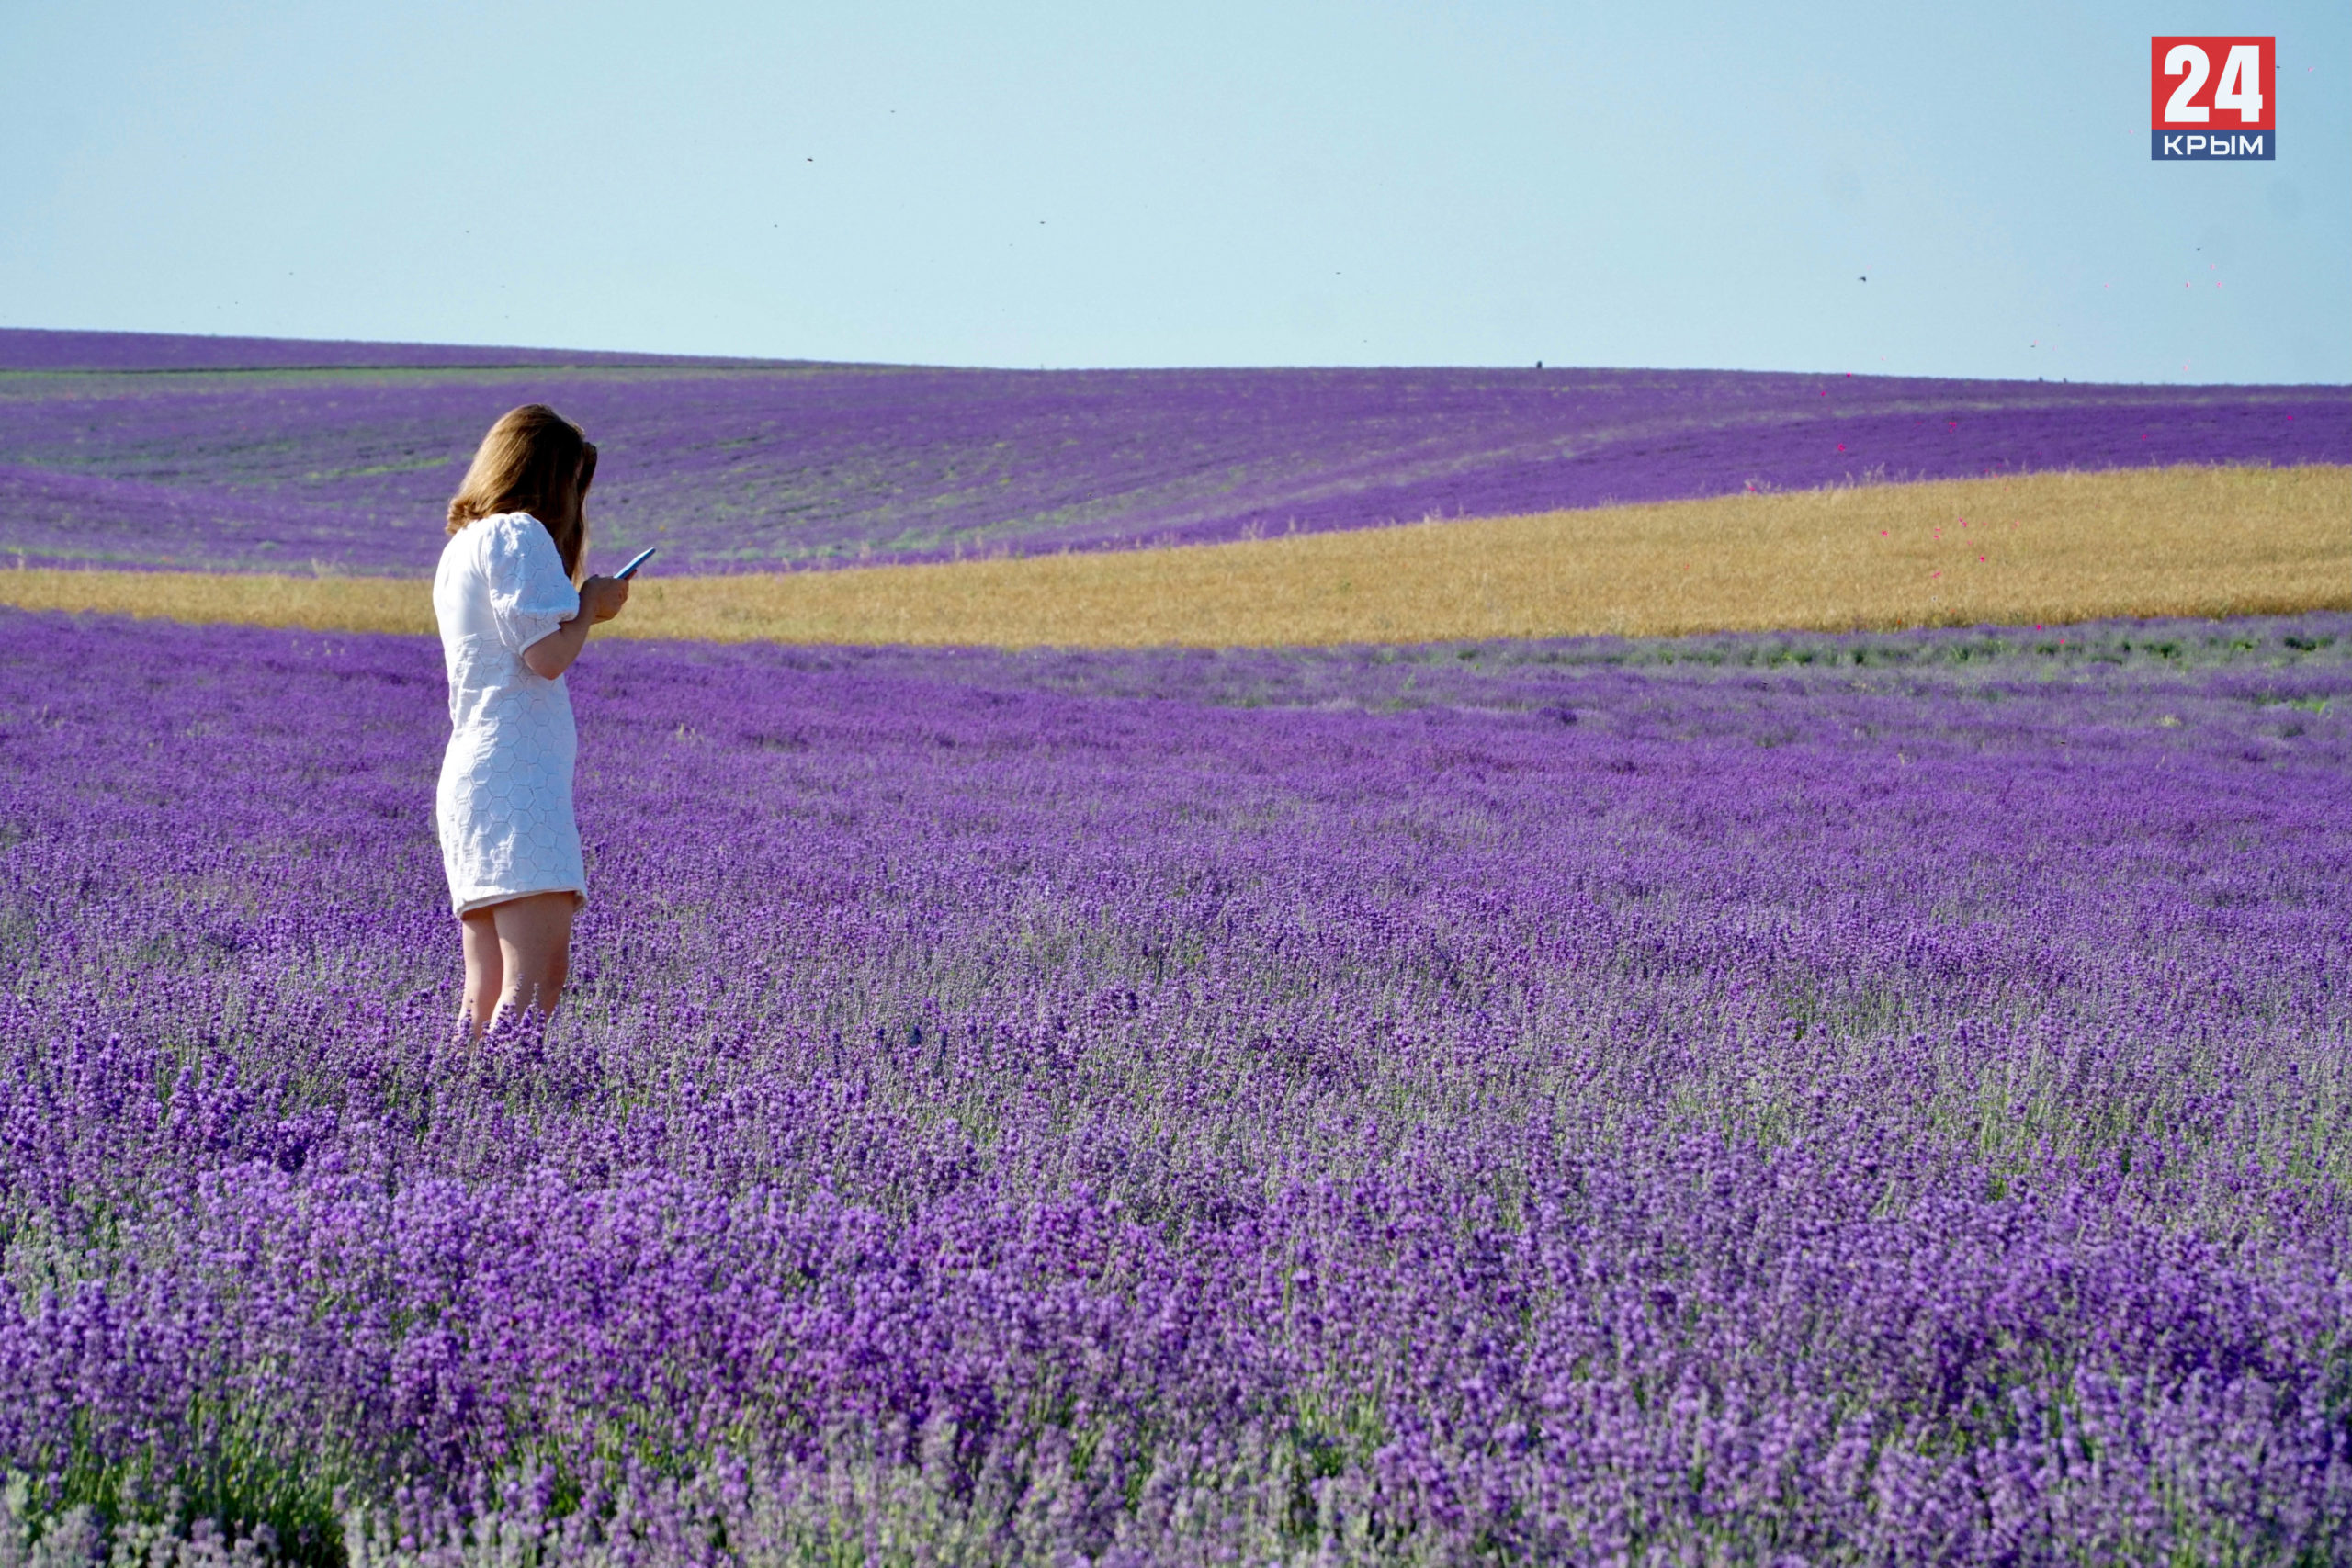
pixel 601 599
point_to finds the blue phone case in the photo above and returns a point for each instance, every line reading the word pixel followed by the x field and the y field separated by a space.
pixel 631 569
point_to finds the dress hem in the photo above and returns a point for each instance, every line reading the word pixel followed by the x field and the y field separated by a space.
pixel 461 909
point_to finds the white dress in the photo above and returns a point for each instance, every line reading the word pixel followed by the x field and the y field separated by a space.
pixel 504 804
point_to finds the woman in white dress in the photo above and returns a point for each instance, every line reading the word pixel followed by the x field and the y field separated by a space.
pixel 512 621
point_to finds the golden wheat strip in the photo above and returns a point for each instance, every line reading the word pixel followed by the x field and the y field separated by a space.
pixel 2048 547
pixel 329 604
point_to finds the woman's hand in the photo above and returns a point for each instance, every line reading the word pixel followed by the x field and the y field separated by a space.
pixel 601 598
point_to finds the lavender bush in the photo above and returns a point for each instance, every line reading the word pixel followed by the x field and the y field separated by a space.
pixel 1871 1099
pixel 316 459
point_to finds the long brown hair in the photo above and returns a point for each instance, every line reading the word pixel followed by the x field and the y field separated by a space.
pixel 533 460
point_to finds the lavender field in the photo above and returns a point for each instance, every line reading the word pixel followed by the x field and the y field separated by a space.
pixel 257 454
pixel 1867 1099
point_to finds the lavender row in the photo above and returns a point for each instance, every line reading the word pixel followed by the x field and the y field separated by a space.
pixel 48 350
pixel 1847 1100
pixel 757 466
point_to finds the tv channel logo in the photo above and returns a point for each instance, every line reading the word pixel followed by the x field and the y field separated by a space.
pixel 2212 97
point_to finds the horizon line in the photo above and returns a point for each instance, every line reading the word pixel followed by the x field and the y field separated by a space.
pixel 610 359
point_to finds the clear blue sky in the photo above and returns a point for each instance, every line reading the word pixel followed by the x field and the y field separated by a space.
pixel 1206 183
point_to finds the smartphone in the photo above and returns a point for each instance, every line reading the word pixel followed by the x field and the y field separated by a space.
pixel 631 569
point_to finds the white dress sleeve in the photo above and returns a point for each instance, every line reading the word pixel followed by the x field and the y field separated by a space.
pixel 529 594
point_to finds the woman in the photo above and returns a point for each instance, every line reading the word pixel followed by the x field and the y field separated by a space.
pixel 512 621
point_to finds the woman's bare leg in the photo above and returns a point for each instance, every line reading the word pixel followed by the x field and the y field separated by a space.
pixel 485 970
pixel 534 951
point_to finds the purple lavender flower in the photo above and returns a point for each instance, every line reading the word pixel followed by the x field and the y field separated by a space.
pixel 1872 1098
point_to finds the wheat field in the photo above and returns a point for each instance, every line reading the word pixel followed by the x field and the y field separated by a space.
pixel 2039 548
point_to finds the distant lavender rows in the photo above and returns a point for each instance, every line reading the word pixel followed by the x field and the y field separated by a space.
pixel 37 349
pixel 1830 1099
pixel 117 450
